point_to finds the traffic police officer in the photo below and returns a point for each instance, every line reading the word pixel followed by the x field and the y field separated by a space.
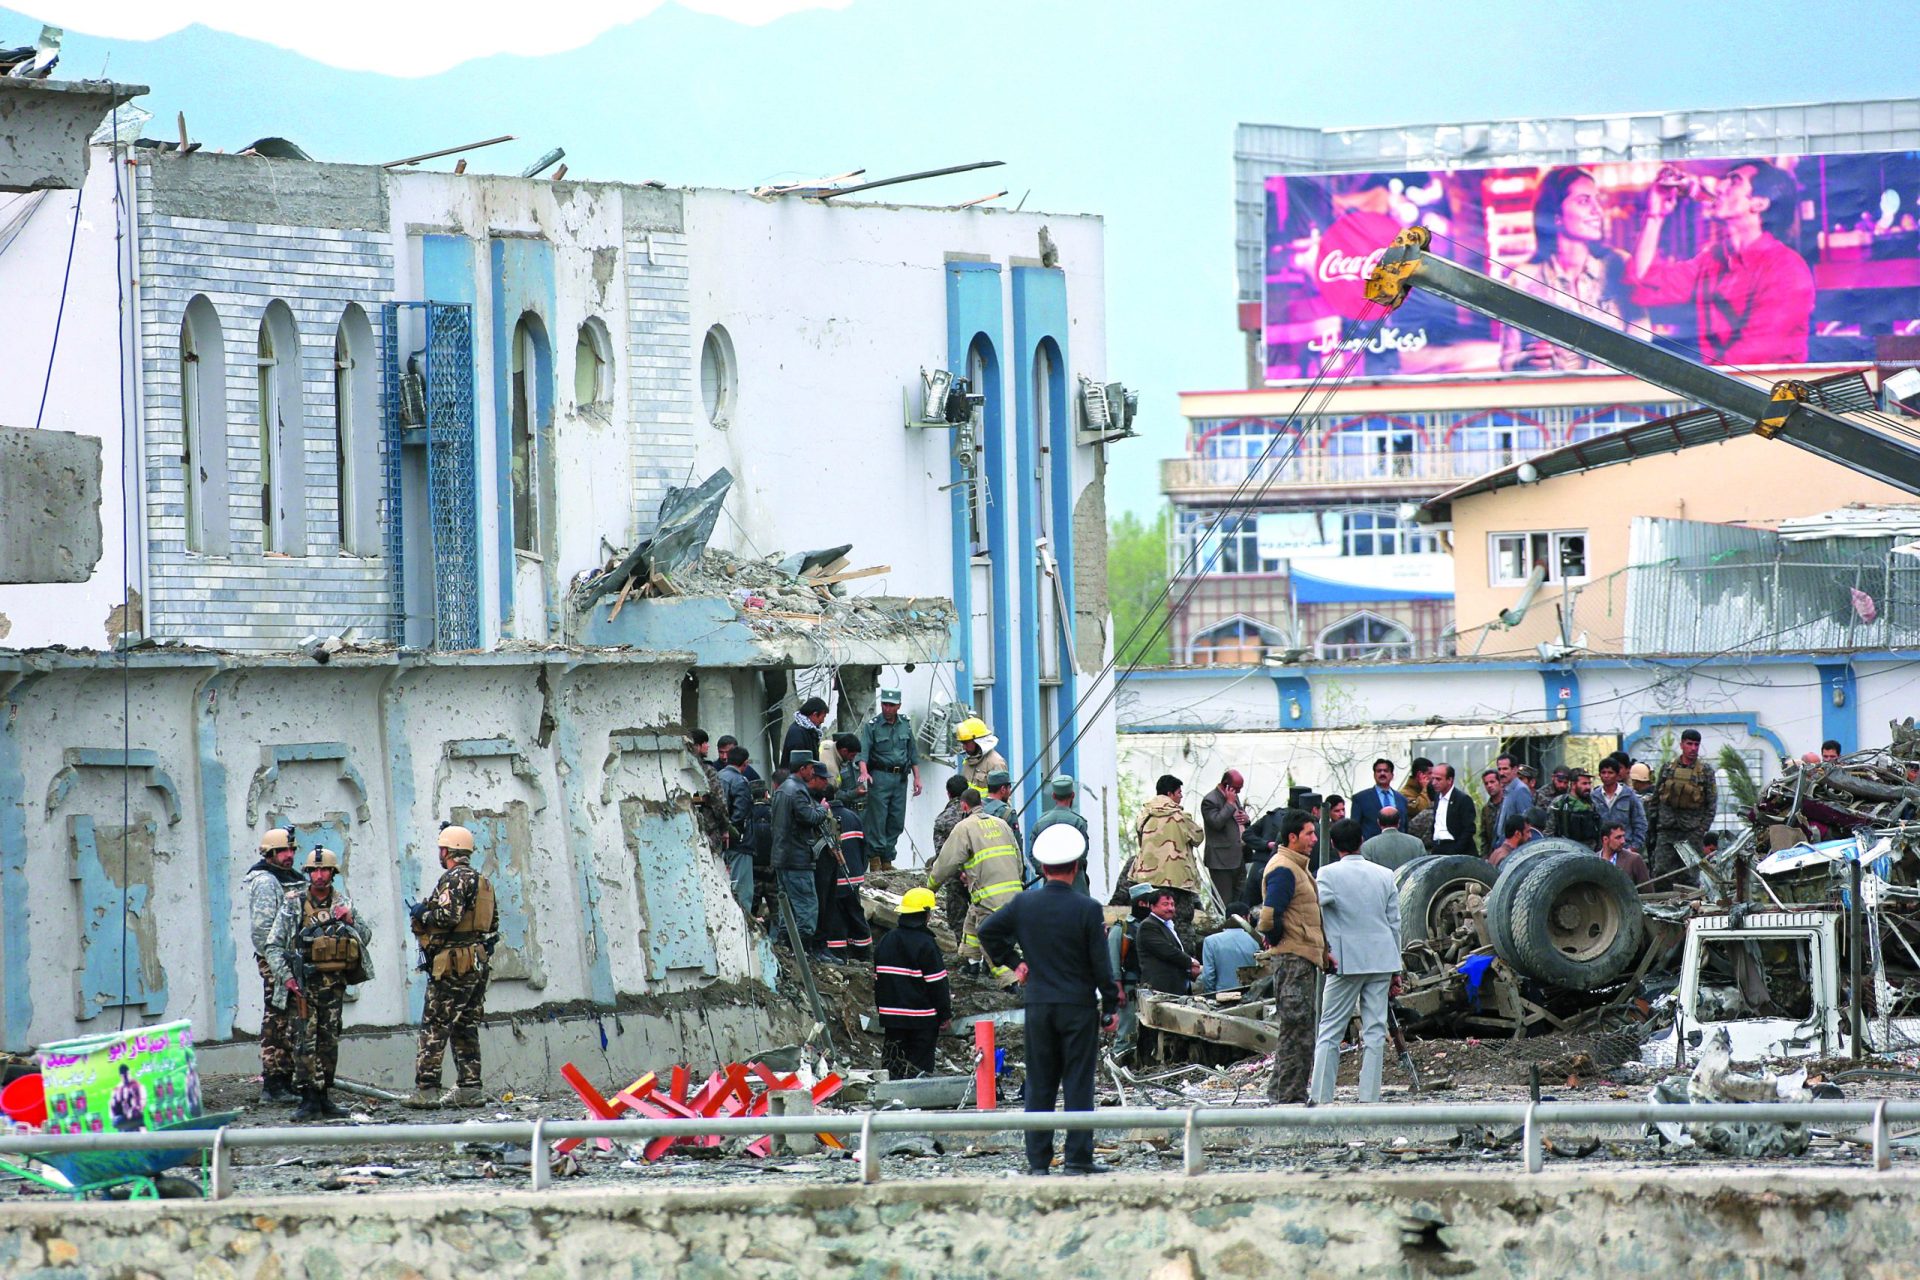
pixel 888 750
pixel 457 927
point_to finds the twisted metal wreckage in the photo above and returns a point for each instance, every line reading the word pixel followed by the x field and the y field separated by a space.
pixel 1802 938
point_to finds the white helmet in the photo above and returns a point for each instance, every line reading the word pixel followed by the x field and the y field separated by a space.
pixel 1059 845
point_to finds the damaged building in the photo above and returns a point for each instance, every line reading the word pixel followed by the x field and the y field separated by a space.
pixel 371 532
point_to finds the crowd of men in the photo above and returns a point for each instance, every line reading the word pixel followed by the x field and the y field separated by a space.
pixel 1316 916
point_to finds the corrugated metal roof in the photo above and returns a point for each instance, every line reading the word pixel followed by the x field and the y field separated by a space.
pixel 1858 521
pixel 1847 393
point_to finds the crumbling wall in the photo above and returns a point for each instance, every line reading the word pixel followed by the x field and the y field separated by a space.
pixel 49 506
pixel 367 756
pixel 1752 1223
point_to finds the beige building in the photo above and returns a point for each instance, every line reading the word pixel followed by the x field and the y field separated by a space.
pixel 1571 522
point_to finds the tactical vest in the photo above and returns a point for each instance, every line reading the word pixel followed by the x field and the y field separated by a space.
pixel 1579 820
pixel 1300 931
pixel 458 950
pixel 1684 786
pixel 327 949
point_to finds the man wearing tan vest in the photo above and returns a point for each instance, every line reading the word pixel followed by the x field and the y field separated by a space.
pixel 1296 949
pixel 458 928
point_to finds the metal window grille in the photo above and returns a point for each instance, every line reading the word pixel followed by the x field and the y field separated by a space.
pixel 452 516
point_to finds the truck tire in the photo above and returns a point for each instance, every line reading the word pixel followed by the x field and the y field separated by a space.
pixel 1433 894
pixel 1509 876
pixel 1575 922
pixel 1405 869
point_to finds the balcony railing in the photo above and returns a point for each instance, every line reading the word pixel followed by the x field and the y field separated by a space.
pixel 1436 469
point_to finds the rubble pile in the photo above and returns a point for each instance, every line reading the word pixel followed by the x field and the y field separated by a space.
pixel 1821 800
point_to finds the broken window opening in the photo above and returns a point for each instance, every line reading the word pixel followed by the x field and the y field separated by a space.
pixel 267 417
pixel 1755 978
pixel 356 460
pixel 592 365
pixel 527 462
pixel 193 478
pixel 282 426
pixel 719 377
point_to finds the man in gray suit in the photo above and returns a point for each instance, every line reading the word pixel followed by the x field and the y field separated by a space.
pixel 1360 913
pixel 1392 848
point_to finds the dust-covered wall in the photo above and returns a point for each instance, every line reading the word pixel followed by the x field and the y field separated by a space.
pixel 570 769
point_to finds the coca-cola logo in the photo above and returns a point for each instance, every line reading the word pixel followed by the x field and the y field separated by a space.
pixel 1349 249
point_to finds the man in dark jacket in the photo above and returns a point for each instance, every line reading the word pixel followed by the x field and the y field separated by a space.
pixel 910 989
pixel 1225 819
pixel 1164 963
pixel 736 794
pixel 1455 824
pixel 759 842
pixel 1055 941
pixel 804 733
pixel 799 815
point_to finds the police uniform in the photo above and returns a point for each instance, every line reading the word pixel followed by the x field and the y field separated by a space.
pixel 994 806
pixel 323 956
pixel 890 755
pixel 457 927
pixel 1060 811
pixel 1685 798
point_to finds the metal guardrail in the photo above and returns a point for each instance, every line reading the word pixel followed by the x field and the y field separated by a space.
pixel 1532 1117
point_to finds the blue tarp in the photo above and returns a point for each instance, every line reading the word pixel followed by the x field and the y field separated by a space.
pixel 1308 589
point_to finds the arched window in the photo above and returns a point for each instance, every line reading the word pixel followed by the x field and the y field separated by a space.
pixel 355 453
pixel 1239 641
pixel 281 421
pixel 1365 635
pixel 203 430
pixel 718 377
pixel 532 358
pixel 592 365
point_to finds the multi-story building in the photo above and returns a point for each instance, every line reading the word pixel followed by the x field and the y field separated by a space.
pixel 330 456
pixel 1310 477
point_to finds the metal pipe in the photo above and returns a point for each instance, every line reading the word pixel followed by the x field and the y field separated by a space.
pixel 1856 943
pixel 905 177
pixel 1379 1116
pixel 447 151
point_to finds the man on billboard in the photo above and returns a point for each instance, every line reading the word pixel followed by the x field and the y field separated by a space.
pixel 1752 294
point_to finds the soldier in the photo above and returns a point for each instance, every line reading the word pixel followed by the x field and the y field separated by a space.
pixel 985 850
pixel 999 801
pixel 979 756
pixel 1573 816
pixel 316 949
pixel 457 927
pixel 1062 810
pixel 953 898
pixel 266 885
pixel 888 751
pixel 1684 802
pixel 1167 836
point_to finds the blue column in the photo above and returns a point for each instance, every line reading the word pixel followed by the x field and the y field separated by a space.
pixel 16 1003
pixel 1040 323
pixel 974 314
pixel 1839 707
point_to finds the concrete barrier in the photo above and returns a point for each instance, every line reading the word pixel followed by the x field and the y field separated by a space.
pixel 1699 1222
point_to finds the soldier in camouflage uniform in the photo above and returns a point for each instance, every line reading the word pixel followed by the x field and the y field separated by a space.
pixel 266 885
pixel 1685 799
pixel 953 898
pixel 316 949
pixel 458 928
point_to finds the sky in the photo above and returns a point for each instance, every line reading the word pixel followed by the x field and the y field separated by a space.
pixel 1125 108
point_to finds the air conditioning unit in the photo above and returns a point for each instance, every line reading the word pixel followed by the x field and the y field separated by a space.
pixel 1106 411
pixel 945 401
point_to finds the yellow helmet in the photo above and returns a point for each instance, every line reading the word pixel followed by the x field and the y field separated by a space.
pixel 321 859
pixel 970 728
pixel 275 840
pixel 918 900
pixel 458 838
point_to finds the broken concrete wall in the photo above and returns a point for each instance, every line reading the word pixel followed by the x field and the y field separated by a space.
pixel 1360 1224
pixel 571 770
pixel 44 128
pixel 49 506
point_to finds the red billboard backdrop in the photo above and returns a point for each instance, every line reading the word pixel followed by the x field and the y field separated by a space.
pixel 1743 263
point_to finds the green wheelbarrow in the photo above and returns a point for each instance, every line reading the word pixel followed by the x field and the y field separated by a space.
pixel 124 1174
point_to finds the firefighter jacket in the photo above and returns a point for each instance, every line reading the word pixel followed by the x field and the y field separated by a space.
pixel 852 871
pixel 910 987
pixel 984 850
pixel 976 768
pixel 1168 836
pixel 287 951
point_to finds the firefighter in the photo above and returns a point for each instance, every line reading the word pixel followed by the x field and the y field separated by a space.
pixel 978 747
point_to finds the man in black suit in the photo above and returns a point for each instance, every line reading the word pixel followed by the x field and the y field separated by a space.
pixel 1455 825
pixel 1164 963
pixel 1367 804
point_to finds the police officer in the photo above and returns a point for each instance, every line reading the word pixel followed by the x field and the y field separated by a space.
pixel 1062 810
pixel 266 885
pixel 457 927
pixel 316 949
pixel 999 802
pixel 1685 798
pixel 888 751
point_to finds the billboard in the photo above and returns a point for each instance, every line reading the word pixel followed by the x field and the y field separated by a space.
pixel 1737 262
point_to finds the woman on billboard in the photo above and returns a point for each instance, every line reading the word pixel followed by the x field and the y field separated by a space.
pixel 1571 267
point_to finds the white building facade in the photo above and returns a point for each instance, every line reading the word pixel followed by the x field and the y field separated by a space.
pixel 418 409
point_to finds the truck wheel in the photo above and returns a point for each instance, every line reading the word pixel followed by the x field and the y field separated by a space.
pixel 1509 876
pixel 1405 869
pixel 1575 922
pixel 1433 896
